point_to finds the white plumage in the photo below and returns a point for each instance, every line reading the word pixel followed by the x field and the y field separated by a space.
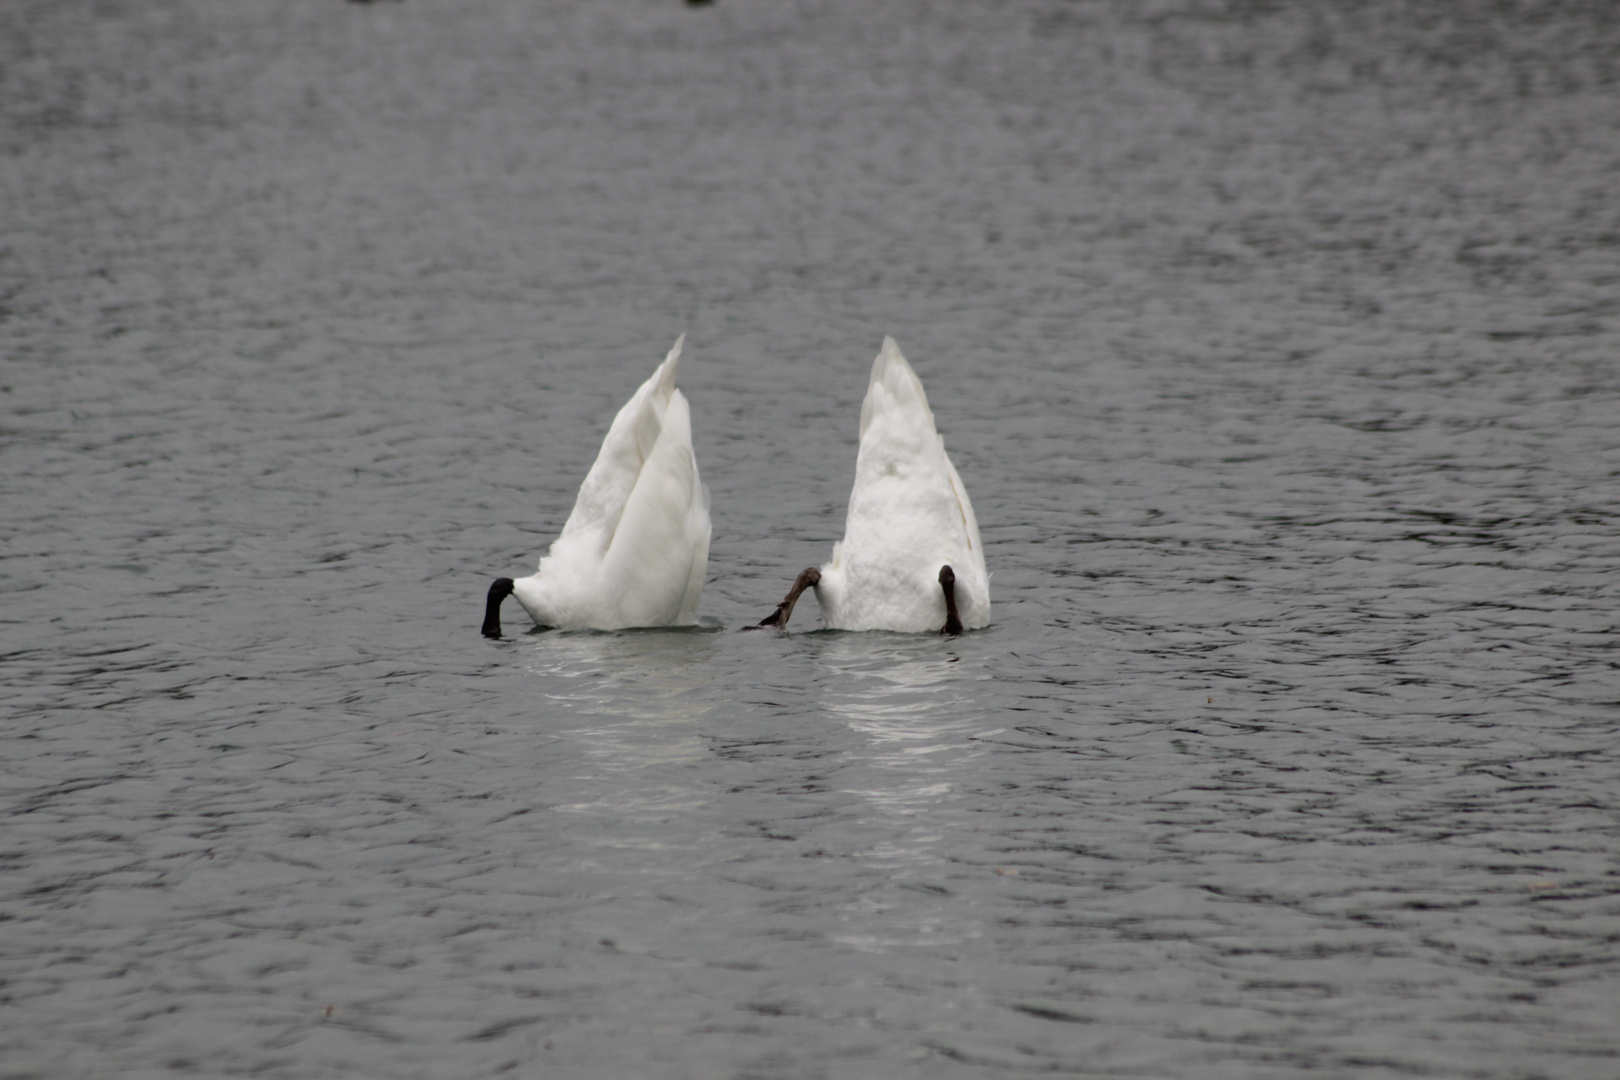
pixel 635 549
pixel 908 518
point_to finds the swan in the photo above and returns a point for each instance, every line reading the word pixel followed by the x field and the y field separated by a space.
pixel 910 559
pixel 635 548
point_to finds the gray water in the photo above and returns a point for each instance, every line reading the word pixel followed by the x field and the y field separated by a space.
pixel 1276 344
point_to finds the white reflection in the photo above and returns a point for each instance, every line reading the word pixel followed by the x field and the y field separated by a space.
pixel 642 674
pixel 628 700
pixel 905 697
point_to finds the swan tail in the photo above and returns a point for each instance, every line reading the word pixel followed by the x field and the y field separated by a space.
pixel 652 571
pixel 665 375
pixel 908 513
pixel 894 388
pixel 629 443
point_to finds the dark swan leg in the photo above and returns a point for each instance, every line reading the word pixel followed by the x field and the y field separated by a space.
pixel 947 581
pixel 492 606
pixel 784 610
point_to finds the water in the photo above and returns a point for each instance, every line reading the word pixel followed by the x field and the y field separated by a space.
pixel 1275 344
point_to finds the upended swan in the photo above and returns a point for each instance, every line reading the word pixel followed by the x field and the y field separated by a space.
pixel 635 548
pixel 911 559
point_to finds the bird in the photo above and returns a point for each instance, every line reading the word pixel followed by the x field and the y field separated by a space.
pixel 911 559
pixel 635 549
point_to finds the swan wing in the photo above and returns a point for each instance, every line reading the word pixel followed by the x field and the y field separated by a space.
pixel 697 534
pixel 630 440
pixel 972 578
pixel 652 572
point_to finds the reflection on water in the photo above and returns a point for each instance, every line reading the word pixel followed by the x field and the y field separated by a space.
pixel 630 701
pixel 896 687
pixel 656 674
pixel 916 725
pixel 909 703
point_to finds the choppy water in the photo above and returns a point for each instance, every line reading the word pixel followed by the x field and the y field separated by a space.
pixel 1276 344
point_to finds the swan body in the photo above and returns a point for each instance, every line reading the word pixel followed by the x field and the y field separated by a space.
pixel 635 549
pixel 909 516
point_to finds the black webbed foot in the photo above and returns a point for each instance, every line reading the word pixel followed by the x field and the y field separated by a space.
pixel 500 590
pixel 947 581
pixel 779 618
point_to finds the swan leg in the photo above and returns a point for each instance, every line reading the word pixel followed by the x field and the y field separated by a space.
pixel 500 590
pixel 947 581
pixel 779 618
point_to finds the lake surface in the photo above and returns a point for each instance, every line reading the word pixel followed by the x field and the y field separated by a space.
pixel 1278 346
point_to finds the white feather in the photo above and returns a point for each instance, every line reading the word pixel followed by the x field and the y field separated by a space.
pixel 635 549
pixel 908 516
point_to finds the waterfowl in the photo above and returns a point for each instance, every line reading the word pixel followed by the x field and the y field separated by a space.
pixel 635 548
pixel 910 559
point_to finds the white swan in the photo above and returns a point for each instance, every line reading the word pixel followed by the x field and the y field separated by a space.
pixel 634 551
pixel 911 558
